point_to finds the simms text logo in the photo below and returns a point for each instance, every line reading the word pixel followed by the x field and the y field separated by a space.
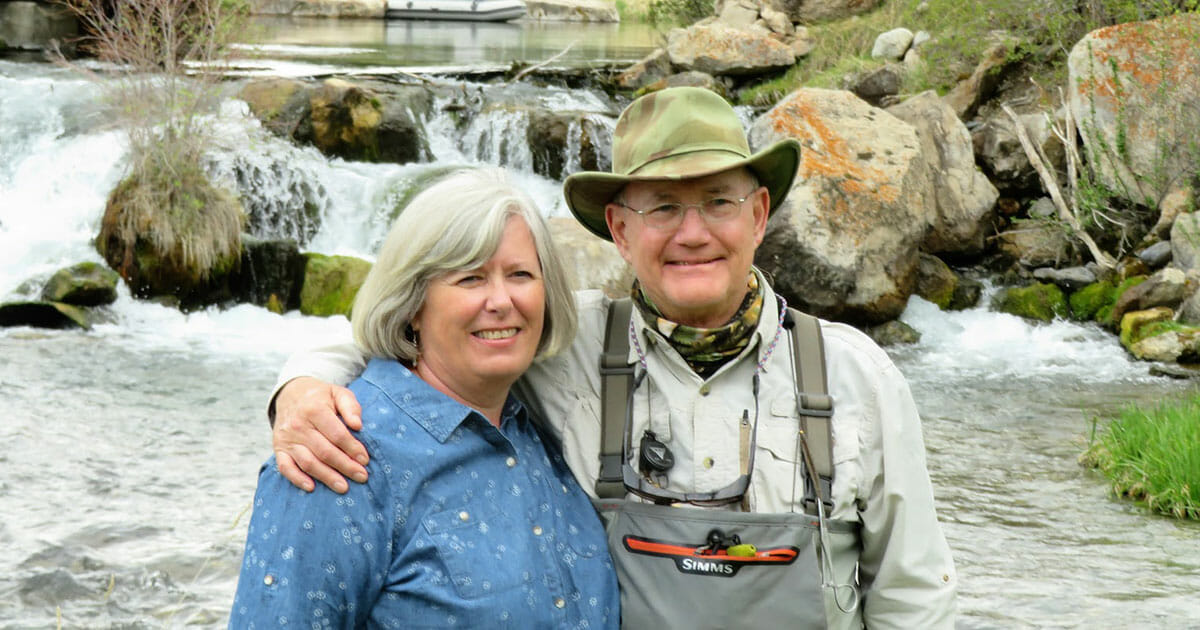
pixel 701 560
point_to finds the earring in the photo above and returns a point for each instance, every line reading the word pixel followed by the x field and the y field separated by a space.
pixel 413 337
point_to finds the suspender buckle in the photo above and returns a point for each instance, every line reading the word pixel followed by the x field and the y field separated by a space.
pixel 818 405
pixel 810 495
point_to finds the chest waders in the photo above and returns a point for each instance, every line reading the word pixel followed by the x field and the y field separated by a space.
pixel 687 567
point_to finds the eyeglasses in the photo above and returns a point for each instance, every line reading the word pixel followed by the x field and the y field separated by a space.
pixel 668 216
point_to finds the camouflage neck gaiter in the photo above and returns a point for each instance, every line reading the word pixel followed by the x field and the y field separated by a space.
pixel 707 349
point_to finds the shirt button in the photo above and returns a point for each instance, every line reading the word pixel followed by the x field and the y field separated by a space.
pixel 565 491
pixel 704 389
pixel 560 602
pixel 537 530
pixel 511 461
pixel 463 516
pixel 708 462
pixel 269 580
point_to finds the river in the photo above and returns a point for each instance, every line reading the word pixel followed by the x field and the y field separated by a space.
pixel 132 449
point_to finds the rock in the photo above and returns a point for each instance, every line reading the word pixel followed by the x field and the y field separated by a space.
pixel 1177 201
pixel 894 333
pixel 1134 327
pixel 591 263
pixel 963 197
pixel 738 13
pixel 143 237
pixel 1042 208
pixel 1041 302
pixel 571 11
pixel 1189 310
pixel 280 104
pixel 1185 241
pixel 320 8
pixel 920 38
pixel 936 282
pixel 1036 244
pixel 1153 69
pixel 1156 255
pixel 654 67
pixel 1175 371
pixel 778 22
pixel 331 283
pixel 721 50
pixel 36 26
pixel 802 42
pixel 1089 302
pixel 271 274
pixel 892 44
pixel 557 138
pixel 40 314
pixel 345 121
pixel 1070 279
pixel 844 245
pixel 84 284
pixel 999 151
pixel 967 94
pixel 878 84
pixel 1165 288
pixel 966 294
pixel 812 11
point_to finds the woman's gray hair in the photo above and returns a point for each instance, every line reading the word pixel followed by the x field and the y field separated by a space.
pixel 453 225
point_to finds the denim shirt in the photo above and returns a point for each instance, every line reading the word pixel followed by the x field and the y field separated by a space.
pixel 461 524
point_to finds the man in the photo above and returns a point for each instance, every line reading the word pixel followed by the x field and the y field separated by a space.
pixel 713 400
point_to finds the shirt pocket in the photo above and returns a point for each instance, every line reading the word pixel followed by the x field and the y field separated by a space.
pixel 484 550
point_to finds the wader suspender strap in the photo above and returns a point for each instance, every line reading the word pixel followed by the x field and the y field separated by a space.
pixel 815 406
pixel 616 381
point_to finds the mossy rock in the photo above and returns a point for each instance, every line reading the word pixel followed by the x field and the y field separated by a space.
pixel 43 314
pixel 894 333
pixel 1041 302
pixel 85 284
pixel 1104 315
pixel 936 281
pixel 331 283
pixel 1139 325
pixel 1087 302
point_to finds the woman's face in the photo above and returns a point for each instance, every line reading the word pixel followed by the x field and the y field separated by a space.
pixel 479 329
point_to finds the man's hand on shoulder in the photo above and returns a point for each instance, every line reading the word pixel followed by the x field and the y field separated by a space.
pixel 311 436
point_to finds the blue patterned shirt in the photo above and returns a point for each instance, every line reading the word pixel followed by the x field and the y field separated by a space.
pixel 461 525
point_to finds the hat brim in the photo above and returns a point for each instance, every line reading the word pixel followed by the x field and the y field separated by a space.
pixel 588 192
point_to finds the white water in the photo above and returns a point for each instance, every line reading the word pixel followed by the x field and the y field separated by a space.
pixel 132 448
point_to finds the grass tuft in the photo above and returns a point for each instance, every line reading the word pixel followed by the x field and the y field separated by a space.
pixel 1153 456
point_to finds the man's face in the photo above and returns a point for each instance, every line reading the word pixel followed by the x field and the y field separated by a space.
pixel 694 273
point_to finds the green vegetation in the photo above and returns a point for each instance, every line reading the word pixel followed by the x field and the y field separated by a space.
pixel 1044 31
pixel 1153 456
pixel 165 210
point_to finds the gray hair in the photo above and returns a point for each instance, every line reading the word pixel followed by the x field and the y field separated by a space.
pixel 454 225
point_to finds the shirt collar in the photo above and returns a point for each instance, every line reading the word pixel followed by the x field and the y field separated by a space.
pixel 437 413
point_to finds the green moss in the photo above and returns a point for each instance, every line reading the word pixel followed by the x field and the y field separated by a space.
pixel 1042 302
pixel 331 283
pixel 1087 302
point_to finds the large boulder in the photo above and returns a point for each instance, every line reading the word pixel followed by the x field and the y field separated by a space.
pixel 966 96
pixel 331 284
pixel 590 262
pixel 84 284
pixel 963 197
pixel 562 142
pixel 180 237
pixel 271 274
pixel 844 246
pixel 809 11
pixel 1185 241
pixel 1135 96
pixel 366 122
pixel 1036 243
pixel 1041 302
pixel 723 50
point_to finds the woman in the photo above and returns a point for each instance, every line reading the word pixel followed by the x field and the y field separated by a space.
pixel 468 519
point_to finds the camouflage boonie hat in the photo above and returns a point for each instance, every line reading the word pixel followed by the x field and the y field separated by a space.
pixel 673 134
